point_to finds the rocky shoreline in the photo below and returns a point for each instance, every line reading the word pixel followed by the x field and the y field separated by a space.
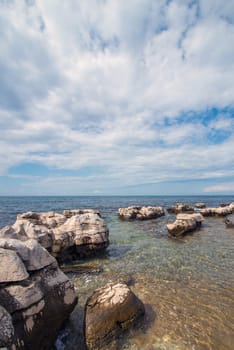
pixel 36 297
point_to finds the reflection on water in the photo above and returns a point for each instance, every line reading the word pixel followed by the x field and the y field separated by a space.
pixel 186 285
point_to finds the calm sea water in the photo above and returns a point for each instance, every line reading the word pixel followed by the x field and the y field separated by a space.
pixel 187 285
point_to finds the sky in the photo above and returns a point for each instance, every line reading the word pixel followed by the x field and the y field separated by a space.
pixel 116 97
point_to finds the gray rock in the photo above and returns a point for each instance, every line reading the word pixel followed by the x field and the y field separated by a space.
pixel 184 223
pixel 6 328
pixel 12 267
pixel 38 304
pixel 79 233
pixel 140 213
pixel 34 256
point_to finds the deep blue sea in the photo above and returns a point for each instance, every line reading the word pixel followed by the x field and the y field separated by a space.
pixel 187 285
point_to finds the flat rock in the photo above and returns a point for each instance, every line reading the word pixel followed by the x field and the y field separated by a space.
pixel 34 256
pixel 140 213
pixel 108 311
pixel 12 267
pixel 220 211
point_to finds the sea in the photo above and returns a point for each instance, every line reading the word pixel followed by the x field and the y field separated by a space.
pixel 186 285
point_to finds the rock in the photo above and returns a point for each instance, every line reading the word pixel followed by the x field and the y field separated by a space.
pixel 87 232
pixel 220 211
pixel 71 212
pixel 224 204
pixel 29 251
pixel 140 213
pixel 6 328
pixel 231 206
pixel 229 223
pixel 37 306
pixel 180 208
pixel 12 268
pixel 90 268
pixel 184 223
pixel 108 311
pixel 78 233
pixel 200 205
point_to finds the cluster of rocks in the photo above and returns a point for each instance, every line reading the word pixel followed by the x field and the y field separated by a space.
pixel 35 296
pixel 140 213
pixel 75 233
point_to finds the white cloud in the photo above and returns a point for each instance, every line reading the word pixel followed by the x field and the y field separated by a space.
pixel 227 187
pixel 91 83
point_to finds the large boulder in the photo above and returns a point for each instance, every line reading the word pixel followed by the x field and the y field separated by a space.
pixel 140 213
pixel 76 233
pixel 185 223
pixel 180 208
pixel 35 296
pixel 108 311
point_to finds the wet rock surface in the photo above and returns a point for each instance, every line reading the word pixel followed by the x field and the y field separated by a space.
pixel 77 233
pixel 32 308
pixel 110 310
pixel 140 213
pixel 185 223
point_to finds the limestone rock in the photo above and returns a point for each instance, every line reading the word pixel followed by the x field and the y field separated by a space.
pixel 200 205
pixel 180 208
pixel 78 233
pixel 32 308
pixel 70 212
pixel 220 211
pixel 87 232
pixel 12 267
pixel 184 223
pixel 140 213
pixel 6 328
pixel 109 310
pixel 34 256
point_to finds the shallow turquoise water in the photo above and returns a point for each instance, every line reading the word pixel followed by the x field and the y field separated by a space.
pixel 187 285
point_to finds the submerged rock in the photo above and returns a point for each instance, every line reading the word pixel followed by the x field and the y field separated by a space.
pixel 229 223
pixel 34 307
pixel 140 213
pixel 108 311
pixel 184 223
pixel 78 232
pixel 180 208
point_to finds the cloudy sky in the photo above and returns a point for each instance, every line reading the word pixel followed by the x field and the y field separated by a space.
pixel 116 97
